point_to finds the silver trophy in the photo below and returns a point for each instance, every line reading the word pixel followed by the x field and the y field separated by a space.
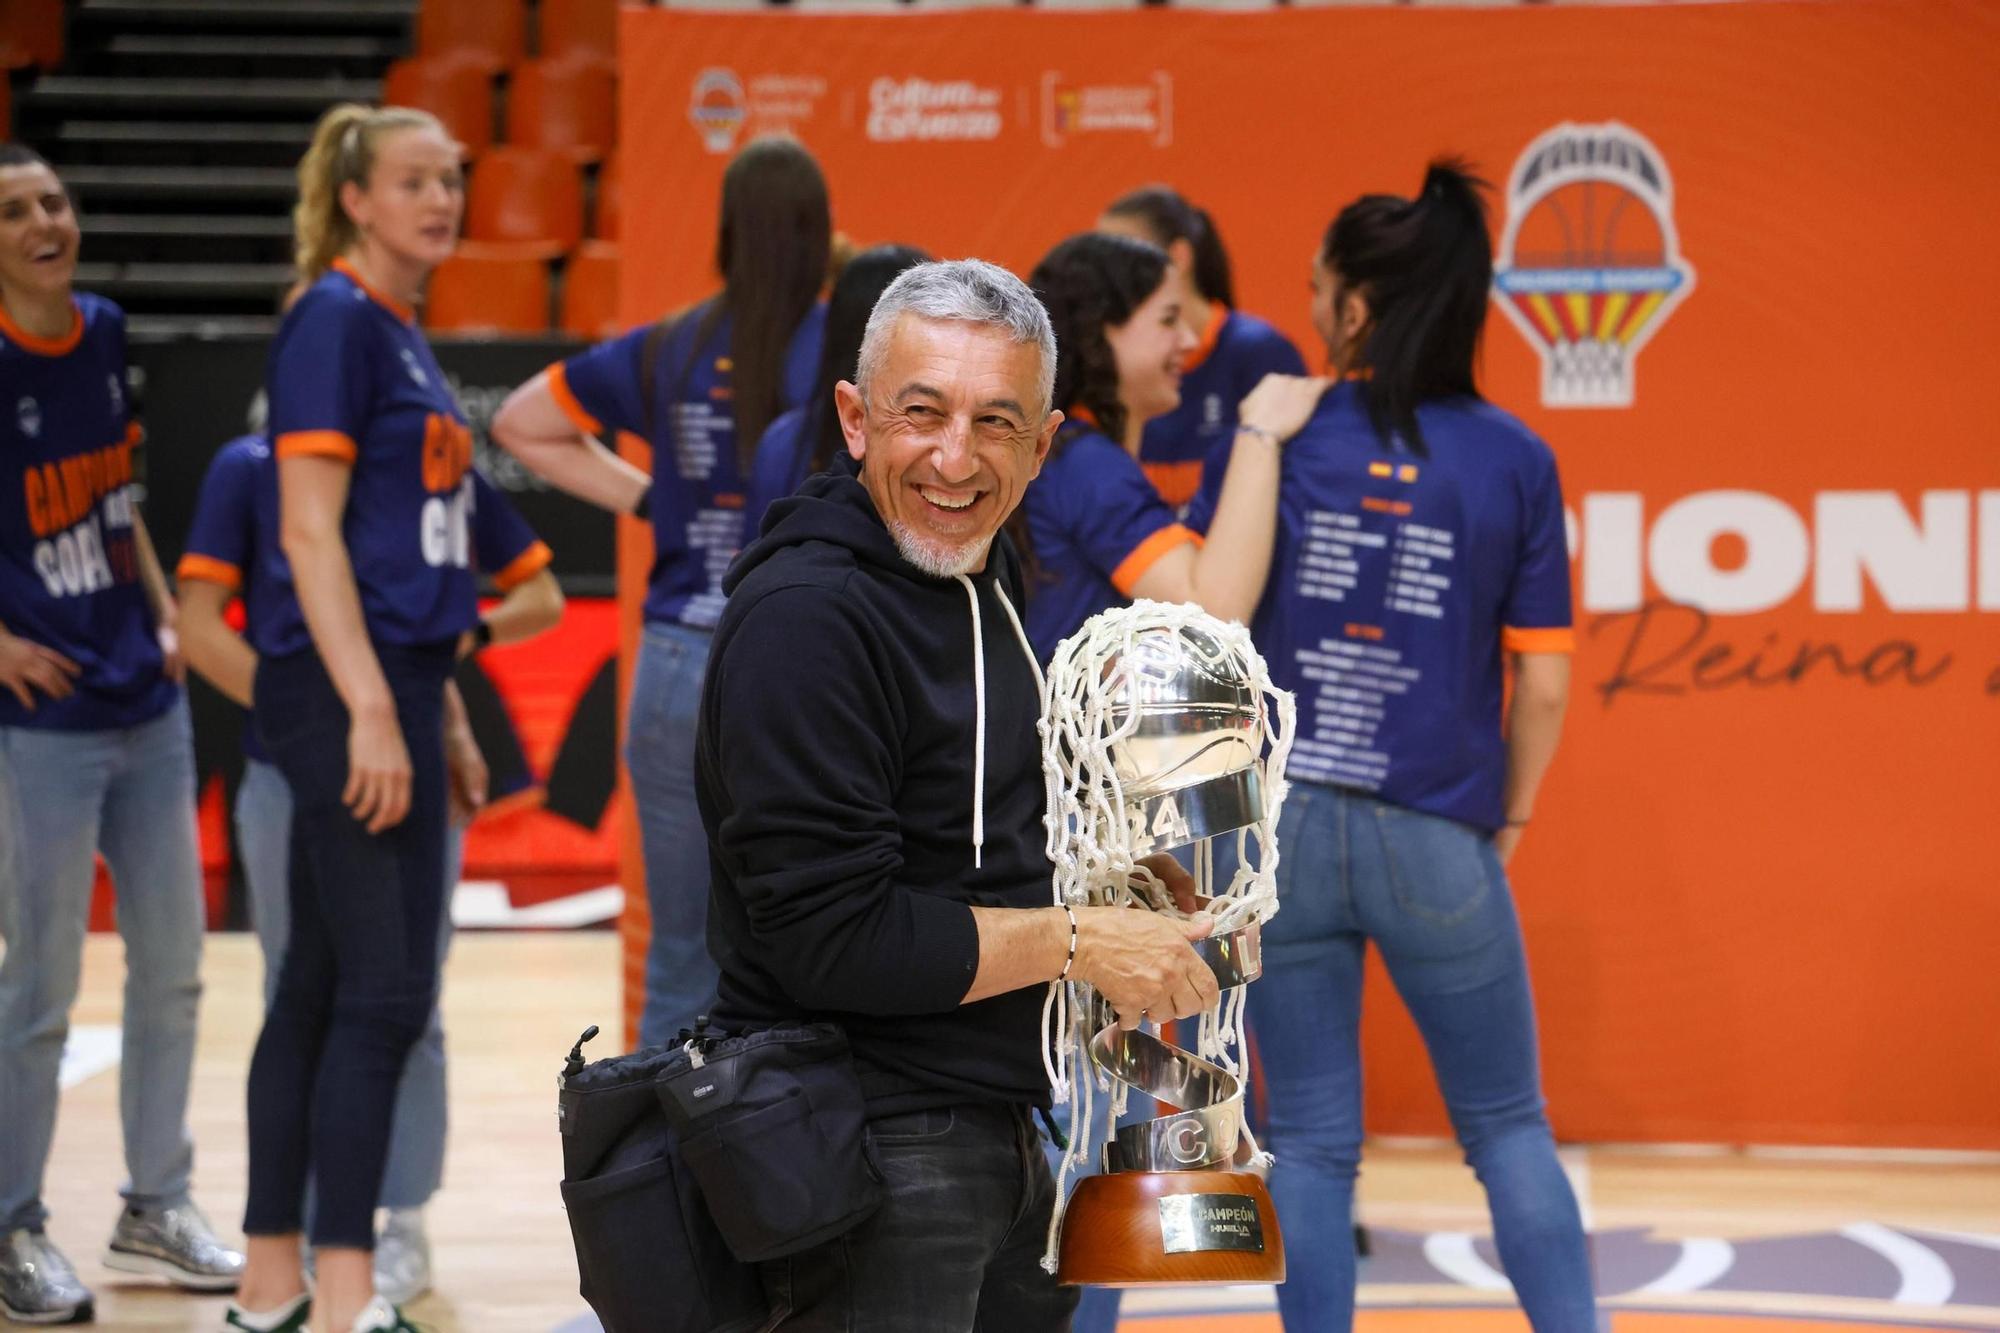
pixel 1161 731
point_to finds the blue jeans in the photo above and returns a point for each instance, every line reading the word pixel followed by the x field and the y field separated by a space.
pixel 1432 896
pixel 264 838
pixel 956 1247
pixel 359 981
pixel 659 753
pixel 64 796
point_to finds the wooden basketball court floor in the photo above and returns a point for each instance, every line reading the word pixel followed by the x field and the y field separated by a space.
pixel 1684 1241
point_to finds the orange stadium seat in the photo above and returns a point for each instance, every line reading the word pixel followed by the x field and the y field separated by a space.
pixel 590 291
pixel 489 33
pixel 457 92
pixel 579 28
pixel 565 105
pixel 529 197
pixel 33 33
pixel 604 217
pixel 488 289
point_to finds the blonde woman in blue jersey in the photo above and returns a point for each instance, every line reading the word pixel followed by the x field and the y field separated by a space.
pixel 374 490
pixel 95 755
pixel 231 551
pixel 1420 557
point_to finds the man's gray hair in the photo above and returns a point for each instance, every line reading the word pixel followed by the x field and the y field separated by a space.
pixel 971 291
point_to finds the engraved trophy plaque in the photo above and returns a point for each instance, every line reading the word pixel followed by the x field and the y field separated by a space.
pixel 1161 731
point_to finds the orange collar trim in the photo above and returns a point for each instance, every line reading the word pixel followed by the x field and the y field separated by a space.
pixel 375 294
pixel 1078 412
pixel 1218 315
pixel 61 346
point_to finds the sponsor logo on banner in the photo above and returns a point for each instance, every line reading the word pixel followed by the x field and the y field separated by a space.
pixel 1590 264
pixel 1145 109
pixel 721 106
pixel 918 110
pixel 718 108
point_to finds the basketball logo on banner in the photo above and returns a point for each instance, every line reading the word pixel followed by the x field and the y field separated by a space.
pixel 1590 264
pixel 718 108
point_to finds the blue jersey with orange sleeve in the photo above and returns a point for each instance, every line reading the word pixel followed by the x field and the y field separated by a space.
pixel 352 379
pixel 778 467
pixel 1096 525
pixel 700 500
pixel 1397 583
pixel 234 542
pixel 69 567
pixel 1235 352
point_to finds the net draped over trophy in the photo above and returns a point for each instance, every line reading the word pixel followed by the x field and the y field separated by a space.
pixel 1161 730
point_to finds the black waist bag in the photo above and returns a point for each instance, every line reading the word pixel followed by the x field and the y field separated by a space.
pixel 772 1127
pixel 648 1255
pixel 684 1166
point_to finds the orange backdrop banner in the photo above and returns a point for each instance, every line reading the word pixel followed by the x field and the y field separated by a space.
pixel 1744 284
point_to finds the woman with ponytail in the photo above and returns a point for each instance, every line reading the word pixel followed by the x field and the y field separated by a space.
pixel 374 497
pixel 699 387
pixel 1421 557
pixel 1233 351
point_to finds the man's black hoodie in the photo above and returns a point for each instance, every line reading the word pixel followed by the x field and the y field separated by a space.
pixel 836 766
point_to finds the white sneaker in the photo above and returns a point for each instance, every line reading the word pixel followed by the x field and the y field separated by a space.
pixel 381 1317
pixel 403 1257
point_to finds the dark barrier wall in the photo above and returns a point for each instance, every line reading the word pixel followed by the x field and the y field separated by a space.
pixel 545 712
pixel 196 394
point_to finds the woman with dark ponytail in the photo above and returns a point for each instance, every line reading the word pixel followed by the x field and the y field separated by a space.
pixel 1420 555
pixel 1232 352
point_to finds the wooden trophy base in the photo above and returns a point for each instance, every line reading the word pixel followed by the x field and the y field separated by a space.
pixel 1157 1228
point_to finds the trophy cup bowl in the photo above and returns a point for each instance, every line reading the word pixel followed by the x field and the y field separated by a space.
pixel 1174 1201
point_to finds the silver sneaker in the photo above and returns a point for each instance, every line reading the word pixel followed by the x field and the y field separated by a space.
pixel 37 1285
pixel 177 1244
pixel 403 1257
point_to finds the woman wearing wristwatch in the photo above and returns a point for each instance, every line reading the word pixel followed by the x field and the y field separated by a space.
pixel 1420 554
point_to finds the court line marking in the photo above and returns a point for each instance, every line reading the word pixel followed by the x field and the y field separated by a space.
pixel 1452 1253
pixel 90 1049
pixel 1927 1278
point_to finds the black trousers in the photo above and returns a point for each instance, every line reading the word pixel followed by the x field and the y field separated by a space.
pixel 360 972
pixel 955 1248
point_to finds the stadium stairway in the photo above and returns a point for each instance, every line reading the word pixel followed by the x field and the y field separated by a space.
pixel 177 125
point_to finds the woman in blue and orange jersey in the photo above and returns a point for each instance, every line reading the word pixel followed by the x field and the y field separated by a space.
pixel 806 438
pixel 231 550
pixel 1421 554
pixel 699 387
pixel 373 455
pixel 1233 351
pixel 1094 531
pixel 95 755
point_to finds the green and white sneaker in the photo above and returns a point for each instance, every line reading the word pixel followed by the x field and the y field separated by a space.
pixel 288 1318
pixel 381 1317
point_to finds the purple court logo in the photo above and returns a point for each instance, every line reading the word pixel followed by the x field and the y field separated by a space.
pixel 1590 264
pixel 718 108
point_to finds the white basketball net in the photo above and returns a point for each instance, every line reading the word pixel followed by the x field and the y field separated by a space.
pixel 1590 372
pixel 1090 841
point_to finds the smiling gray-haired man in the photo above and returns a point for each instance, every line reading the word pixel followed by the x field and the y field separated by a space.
pixel 870 781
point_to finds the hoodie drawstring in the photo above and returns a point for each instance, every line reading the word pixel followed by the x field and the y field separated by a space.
pixel 979 705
